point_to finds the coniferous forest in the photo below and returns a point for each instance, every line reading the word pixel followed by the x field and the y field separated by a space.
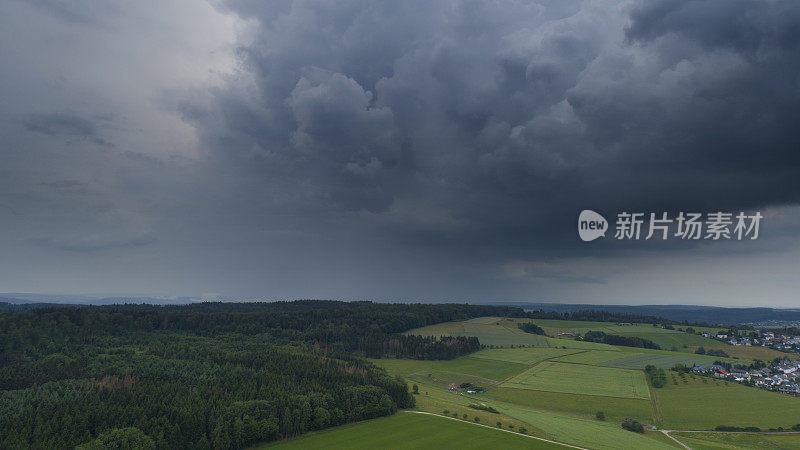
pixel 208 375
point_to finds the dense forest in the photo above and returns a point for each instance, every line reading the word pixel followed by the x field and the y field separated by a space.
pixel 208 375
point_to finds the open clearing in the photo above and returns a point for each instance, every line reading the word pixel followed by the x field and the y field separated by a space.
pixel 582 379
pixel 411 431
pixel 698 405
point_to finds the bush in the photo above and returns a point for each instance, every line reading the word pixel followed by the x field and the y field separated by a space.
pixel 634 426
pixel 600 415
pixel 530 327
pixel 484 408
pixel 730 428
pixel 523 430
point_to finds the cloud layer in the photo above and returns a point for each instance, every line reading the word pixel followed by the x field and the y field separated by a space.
pixel 341 149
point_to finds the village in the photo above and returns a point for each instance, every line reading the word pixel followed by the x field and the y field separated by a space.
pixel 782 376
pixel 766 339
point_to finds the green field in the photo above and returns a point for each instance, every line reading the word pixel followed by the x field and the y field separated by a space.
pixel 523 355
pixel 696 405
pixel 584 405
pixel 411 431
pixel 469 365
pixel 594 357
pixel 709 441
pixel 555 386
pixel 489 330
pixel 582 379
pixel 664 361
pixel 667 339
pixel 584 432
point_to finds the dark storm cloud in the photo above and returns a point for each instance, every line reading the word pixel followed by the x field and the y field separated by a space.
pixel 496 123
pixel 65 125
pixel 413 149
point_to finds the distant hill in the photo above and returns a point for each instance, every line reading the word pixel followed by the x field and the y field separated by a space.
pixel 689 313
pixel 27 301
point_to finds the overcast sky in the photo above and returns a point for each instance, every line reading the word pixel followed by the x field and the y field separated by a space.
pixel 397 150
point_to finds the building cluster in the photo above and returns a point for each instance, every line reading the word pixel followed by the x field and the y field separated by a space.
pixel 766 339
pixel 783 377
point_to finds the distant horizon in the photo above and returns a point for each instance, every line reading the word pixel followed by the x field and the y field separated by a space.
pixel 33 297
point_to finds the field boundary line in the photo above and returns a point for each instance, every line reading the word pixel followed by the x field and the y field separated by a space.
pixel 497 429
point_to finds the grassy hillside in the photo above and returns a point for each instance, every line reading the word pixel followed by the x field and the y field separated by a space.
pixel 700 403
pixel 412 431
pixel 555 387
pixel 582 379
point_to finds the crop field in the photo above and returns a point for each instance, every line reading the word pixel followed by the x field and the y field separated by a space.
pixel 594 357
pixel 584 432
pixel 523 355
pixel 582 379
pixel 584 405
pixel 708 441
pixel 555 387
pixel 699 405
pixel 667 339
pixel 745 352
pixel 489 330
pixel 663 361
pixel 480 367
pixel 411 431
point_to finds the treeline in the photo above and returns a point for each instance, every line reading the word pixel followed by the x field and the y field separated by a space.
pixel 376 345
pixel 599 316
pixel 530 327
pixel 616 339
pixel 340 325
pixel 656 376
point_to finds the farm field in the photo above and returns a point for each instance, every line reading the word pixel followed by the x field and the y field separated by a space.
pixel 411 431
pixel 524 355
pixel 555 390
pixel 663 361
pixel 667 339
pixel 583 405
pixel 469 365
pixel 582 379
pixel 745 352
pixel 593 357
pixel 585 432
pixel 490 330
pixel 687 406
pixel 709 441
pixel 571 428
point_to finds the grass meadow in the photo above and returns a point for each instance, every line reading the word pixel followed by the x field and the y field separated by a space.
pixel 411 431
pixel 582 379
